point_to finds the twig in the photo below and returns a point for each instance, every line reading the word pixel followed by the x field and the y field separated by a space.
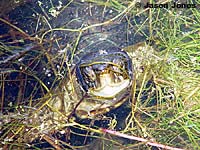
pixel 52 142
pixel 17 55
pixel 139 139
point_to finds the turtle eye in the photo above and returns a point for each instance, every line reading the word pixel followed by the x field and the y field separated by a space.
pixel 89 73
pixel 89 76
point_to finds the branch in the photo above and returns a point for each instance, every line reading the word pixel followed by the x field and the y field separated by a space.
pixel 138 139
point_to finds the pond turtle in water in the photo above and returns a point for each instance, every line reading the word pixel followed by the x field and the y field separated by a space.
pixel 101 78
pixel 101 72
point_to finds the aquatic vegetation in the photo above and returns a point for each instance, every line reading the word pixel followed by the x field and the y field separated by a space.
pixel 39 84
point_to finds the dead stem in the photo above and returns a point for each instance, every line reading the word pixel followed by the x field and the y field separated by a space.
pixel 139 139
pixel 51 141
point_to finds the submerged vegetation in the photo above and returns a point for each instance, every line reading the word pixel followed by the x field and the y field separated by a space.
pixel 165 103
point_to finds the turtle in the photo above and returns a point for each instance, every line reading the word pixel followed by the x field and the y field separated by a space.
pixel 100 73
pixel 102 77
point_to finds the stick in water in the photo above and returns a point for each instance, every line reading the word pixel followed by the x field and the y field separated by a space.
pixel 139 139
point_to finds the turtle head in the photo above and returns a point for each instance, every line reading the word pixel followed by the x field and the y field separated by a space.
pixel 106 76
